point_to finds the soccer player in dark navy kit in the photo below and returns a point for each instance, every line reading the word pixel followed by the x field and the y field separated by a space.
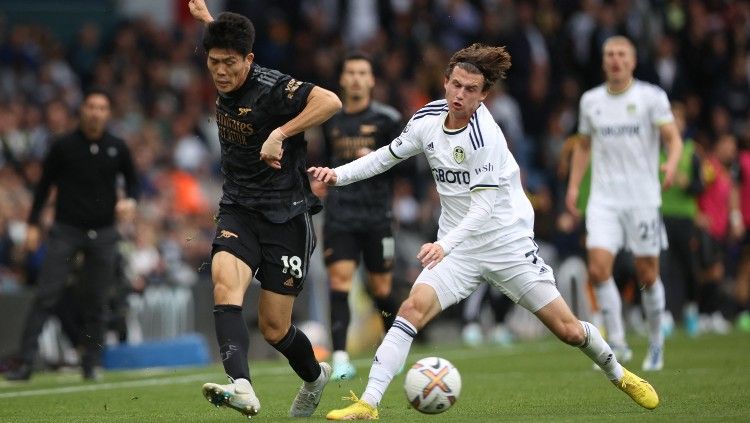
pixel 84 166
pixel 359 218
pixel 264 226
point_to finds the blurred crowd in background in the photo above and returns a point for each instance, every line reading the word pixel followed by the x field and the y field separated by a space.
pixel 697 51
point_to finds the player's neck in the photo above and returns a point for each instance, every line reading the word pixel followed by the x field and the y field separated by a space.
pixel 453 122
pixel 619 87
pixel 356 105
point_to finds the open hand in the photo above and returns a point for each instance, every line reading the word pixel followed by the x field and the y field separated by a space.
pixel 323 174
pixel 199 11
pixel 431 254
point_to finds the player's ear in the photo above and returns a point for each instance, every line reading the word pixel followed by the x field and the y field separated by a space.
pixel 249 58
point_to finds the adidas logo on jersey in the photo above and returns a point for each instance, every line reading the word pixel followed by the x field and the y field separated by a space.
pixel 431 147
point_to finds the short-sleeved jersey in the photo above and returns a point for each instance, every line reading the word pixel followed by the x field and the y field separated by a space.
pixel 246 117
pixel 366 205
pixel 624 133
pixel 475 157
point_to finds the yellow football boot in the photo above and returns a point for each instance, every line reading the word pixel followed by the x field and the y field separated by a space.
pixel 638 389
pixel 360 410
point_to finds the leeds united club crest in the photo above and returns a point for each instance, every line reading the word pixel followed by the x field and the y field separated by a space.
pixel 459 155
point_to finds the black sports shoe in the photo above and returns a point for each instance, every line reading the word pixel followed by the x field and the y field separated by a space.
pixel 22 372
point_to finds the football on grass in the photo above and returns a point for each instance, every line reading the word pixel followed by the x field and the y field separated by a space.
pixel 432 385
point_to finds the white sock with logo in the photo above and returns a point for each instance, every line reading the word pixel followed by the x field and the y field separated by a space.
pixel 600 352
pixel 389 358
pixel 654 301
pixel 610 304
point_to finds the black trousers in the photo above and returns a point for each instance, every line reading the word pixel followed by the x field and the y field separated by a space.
pixel 97 274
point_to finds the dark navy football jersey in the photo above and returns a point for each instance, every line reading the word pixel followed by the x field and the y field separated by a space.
pixel 267 100
pixel 367 203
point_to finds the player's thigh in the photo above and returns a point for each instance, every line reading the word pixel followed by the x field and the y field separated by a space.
pixel 453 279
pixel 286 249
pixel 603 228
pixel 516 269
pixel 231 277
pixel 235 254
pixel 378 248
pixel 644 231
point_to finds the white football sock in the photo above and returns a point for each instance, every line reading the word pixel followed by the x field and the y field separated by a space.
pixel 389 358
pixel 609 301
pixel 654 301
pixel 600 352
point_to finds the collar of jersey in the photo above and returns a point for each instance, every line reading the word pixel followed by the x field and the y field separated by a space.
pixel 453 131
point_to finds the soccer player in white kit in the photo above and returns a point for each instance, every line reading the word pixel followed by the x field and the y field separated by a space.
pixel 620 125
pixel 485 229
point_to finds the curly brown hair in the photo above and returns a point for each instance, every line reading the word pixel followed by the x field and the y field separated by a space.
pixel 491 62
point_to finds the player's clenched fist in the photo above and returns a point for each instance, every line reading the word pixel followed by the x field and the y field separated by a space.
pixel 323 174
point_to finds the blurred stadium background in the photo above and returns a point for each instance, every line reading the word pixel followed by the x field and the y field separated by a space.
pixel 149 54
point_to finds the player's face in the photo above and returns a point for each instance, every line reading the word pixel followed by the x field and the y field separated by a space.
pixel 357 79
pixel 463 91
pixel 228 68
pixel 619 61
pixel 95 113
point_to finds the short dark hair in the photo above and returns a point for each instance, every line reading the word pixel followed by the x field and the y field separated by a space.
pixel 357 55
pixel 97 90
pixel 230 31
pixel 491 62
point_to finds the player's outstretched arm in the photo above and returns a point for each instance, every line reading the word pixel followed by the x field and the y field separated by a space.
pixel 199 11
pixel 323 174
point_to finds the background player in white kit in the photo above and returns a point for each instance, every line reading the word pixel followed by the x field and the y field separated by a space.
pixel 485 228
pixel 620 123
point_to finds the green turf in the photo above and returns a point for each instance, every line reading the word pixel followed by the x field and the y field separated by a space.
pixel 705 379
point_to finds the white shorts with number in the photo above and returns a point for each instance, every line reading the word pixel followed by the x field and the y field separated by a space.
pixel 514 268
pixel 639 229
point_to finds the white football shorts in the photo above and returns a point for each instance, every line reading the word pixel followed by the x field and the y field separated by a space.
pixel 638 229
pixel 514 268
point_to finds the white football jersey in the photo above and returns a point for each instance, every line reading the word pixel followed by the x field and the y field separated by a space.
pixel 624 132
pixel 476 157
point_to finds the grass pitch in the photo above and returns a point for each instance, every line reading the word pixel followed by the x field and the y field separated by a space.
pixel 705 379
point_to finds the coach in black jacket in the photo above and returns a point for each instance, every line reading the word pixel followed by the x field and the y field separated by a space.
pixel 84 166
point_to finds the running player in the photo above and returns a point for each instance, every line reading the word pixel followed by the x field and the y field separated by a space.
pixel 621 123
pixel 263 225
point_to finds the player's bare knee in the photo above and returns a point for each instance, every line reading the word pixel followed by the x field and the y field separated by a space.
pixel 272 332
pixel 646 275
pixel 599 273
pixel 222 292
pixel 571 333
pixel 340 284
pixel 379 284
pixel 380 290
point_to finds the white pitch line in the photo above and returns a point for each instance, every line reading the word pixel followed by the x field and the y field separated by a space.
pixel 282 369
